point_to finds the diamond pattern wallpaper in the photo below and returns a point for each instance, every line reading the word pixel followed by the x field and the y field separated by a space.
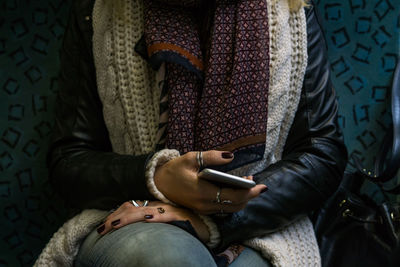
pixel 30 36
pixel 363 41
pixel 364 47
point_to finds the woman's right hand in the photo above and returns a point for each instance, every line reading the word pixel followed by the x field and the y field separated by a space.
pixel 178 181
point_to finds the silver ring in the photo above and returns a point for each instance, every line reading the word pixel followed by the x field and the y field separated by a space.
pixel 134 203
pixel 218 196
pixel 226 202
pixel 199 158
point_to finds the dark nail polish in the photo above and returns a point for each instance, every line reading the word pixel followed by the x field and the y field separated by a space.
pixel 227 155
pixel 101 229
pixel 116 222
pixel 264 190
pixel 148 216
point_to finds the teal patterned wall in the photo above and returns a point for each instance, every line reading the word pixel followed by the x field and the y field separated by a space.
pixel 363 42
pixel 364 47
pixel 30 36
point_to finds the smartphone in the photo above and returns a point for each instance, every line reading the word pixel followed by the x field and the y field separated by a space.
pixel 226 179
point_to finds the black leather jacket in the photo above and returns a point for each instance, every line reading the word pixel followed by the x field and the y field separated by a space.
pixel 88 174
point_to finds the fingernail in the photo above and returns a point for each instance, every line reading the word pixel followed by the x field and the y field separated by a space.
pixel 101 229
pixel 264 190
pixel 227 155
pixel 116 222
pixel 148 216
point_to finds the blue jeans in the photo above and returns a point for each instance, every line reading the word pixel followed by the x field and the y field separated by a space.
pixel 153 244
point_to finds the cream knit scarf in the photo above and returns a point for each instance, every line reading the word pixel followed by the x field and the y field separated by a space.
pixel 130 95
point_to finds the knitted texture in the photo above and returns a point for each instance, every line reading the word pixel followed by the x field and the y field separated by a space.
pixel 215 236
pixel 126 84
pixel 294 246
pixel 63 247
pixel 158 159
pixel 288 62
pixel 130 97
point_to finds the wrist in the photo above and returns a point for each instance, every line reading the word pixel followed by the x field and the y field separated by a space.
pixel 158 159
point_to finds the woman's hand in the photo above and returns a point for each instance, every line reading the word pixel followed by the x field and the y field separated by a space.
pixel 156 211
pixel 178 181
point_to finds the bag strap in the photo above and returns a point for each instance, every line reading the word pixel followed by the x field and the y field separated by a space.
pixel 387 162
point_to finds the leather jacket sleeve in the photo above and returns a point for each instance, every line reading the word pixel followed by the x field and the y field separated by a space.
pixel 82 166
pixel 313 160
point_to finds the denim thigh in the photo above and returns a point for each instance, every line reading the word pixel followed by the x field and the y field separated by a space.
pixel 144 244
pixel 153 244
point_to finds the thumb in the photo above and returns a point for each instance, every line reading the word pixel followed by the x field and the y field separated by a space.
pixel 257 190
pixel 215 157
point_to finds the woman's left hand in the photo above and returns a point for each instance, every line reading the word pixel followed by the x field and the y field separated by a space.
pixel 155 211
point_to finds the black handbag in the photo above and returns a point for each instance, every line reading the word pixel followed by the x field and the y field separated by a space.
pixel 354 229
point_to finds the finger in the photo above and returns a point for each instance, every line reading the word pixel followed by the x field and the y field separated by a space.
pixel 126 205
pixel 257 190
pixel 127 216
pixel 208 203
pixel 210 158
pixel 156 216
pixel 160 213
pixel 215 157
pixel 232 200
pixel 208 195
pixel 153 211
pixel 238 196
pixel 235 196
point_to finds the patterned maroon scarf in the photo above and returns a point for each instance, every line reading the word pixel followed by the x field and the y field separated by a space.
pixel 217 62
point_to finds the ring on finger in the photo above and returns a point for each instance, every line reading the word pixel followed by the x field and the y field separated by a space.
pixel 218 196
pixel 200 160
pixel 134 203
pixel 226 202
